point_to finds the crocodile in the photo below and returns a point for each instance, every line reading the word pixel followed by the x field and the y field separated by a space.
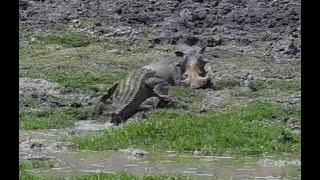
pixel 148 86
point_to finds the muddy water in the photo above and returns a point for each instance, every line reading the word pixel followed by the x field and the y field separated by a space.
pixel 46 145
pixel 198 167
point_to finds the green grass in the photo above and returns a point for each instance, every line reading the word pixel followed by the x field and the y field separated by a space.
pixel 127 176
pixel 79 81
pixel 294 112
pixel 52 119
pixel 86 68
pixel 85 82
pixel 225 81
pixel 188 96
pixel 67 40
pixel 238 130
pixel 294 174
pixel 283 85
pixel 37 164
pixel 29 102
pixel 279 84
pixel 25 175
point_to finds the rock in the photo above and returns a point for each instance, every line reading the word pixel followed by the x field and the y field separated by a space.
pixel 292 49
pixel 134 152
pixel 24 4
pixel 213 41
pixel 33 39
pixel 191 40
pixel 91 125
pixel 278 163
pixel 250 77
pixel 113 51
pixel 35 144
pixel 196 152
pixel 38 158
pixel 185 15
pixel 293 124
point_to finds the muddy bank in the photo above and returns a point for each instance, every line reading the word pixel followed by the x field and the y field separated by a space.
pixel 49 94
pixel 47 144
pixel 264 29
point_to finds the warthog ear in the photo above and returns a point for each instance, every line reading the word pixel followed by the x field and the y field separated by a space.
pixel 202 50
pixel 179 53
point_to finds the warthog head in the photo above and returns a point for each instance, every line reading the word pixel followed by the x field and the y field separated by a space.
pixel 193 68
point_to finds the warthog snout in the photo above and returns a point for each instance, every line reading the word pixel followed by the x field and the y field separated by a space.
pixel 195 75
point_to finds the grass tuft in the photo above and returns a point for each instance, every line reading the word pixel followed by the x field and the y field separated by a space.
pixel 67 40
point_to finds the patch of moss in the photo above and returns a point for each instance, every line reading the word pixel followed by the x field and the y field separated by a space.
pixel 67 40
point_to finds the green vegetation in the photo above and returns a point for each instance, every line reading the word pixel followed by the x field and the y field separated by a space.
pixel 239 130
pixel 29 102
pixel 88 64
pixel 225 82
pixel 37 164
pixel 126 176
pixel 294 112
pixel 186 96
pixel 257 85
pixel 86 82
pixel 284 85
pixel 25 175
pixel 293 174
pixel 52 119
pixel 67 40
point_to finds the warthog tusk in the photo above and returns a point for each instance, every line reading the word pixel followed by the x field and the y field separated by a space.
pixel 209 74
pixel 205 60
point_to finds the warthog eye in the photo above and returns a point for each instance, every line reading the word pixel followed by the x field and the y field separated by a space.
pixel 184 75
